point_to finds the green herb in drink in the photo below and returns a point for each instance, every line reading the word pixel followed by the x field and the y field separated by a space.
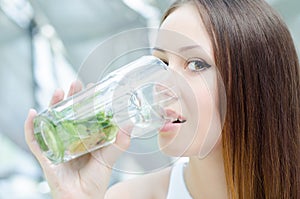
pixel 69 138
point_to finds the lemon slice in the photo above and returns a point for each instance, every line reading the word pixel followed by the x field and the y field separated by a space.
pixel 85 144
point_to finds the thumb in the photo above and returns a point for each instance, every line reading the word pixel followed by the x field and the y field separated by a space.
pixel 30 139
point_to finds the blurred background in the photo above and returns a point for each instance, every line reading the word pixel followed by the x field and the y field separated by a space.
pixel 42 46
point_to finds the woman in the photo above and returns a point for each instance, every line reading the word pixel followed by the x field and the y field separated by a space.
pixel 258 154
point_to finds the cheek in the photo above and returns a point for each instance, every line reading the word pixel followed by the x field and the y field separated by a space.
pixel 201 113
pixel 198 136
pixel 209 122
pixel 204 113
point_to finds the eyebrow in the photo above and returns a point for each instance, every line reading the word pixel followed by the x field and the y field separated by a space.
pixel 184 48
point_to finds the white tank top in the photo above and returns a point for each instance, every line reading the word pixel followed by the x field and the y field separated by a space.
pixel 177 188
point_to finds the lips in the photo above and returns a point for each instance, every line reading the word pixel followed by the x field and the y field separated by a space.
pixel 178 121
pixel 173 121
pixel 174 117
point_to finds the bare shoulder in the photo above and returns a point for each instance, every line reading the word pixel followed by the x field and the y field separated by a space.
pixel 149 186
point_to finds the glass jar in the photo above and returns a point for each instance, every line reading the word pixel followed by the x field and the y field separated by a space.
pixel 89 120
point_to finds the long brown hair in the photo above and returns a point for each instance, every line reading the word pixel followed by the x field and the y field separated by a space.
pixel 256 57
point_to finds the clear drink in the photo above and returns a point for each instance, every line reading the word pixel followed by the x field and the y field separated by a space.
pixel 91 119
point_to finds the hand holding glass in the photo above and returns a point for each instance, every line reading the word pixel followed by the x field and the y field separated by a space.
pixel 91 119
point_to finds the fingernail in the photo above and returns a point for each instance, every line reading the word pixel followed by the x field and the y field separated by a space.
pixel 32 111
pixel 78 84
pixel 58 92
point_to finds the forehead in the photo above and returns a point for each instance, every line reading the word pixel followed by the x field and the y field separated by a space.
pixel 184 27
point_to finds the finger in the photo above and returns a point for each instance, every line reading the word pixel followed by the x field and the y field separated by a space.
pixel 30 139
pixel 90 85
pixel 75 87
pixel 109 155
pixel 57 96
pixel 99 168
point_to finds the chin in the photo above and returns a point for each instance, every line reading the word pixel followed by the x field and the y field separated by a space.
pixel 173 152
pixel 174 149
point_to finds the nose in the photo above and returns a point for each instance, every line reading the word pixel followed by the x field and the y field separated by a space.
pixel 165 95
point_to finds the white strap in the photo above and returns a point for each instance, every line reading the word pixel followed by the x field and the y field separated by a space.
pixel 177 187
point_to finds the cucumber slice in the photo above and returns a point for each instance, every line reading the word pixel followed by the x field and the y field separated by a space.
pixel 52 140
pixel 40 140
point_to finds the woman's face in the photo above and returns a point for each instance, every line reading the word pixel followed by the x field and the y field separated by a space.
pixel 183 43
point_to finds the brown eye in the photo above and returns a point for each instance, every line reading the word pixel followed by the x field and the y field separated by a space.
pixel 197 65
